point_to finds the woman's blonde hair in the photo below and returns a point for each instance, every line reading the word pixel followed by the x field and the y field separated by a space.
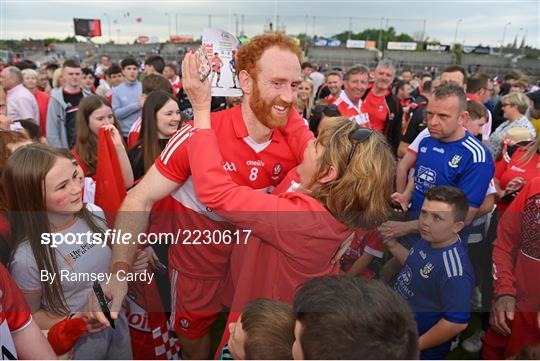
pixel 520 100
pixel 309 103
pixel 57 80
pixel 359 196
pixel 533 148
pixel 30 72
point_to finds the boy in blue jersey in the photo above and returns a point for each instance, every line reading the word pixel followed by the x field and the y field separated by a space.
pixel 437 278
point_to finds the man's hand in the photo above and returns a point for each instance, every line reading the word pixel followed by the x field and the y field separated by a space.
pixel 115 291
pixel 141 100
pixel 152 256
pixel 92 325
pixel 403 199
pixel 393 229
pixel 502 310
pixel 4 122
pixel 198 92
pixel 141 262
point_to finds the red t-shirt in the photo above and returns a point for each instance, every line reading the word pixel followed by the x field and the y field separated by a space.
pixel 516 251
pixel 14 314
pixel 364 241
pixel 330 99
pixel 377 109
pixel 42 99
pixel 505 172
pixel 259 166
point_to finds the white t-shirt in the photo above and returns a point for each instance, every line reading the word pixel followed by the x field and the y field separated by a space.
pixel 81 260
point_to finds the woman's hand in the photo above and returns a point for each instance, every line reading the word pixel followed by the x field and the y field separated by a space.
pixel 514 185
pixel 199 92
pixel 115 135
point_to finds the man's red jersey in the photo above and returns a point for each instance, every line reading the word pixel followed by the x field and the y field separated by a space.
pixel 377 109
pixel 351 110
pixel 259 166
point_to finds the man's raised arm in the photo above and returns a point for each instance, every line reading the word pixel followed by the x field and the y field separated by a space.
pixel 132 220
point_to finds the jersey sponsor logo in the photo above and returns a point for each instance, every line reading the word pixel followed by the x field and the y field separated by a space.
pixel 454 162
pixel 424 272
pixel 425 179
pixel 403 281
pixel 229 167
pixel 517 169
pixel 427 175
pixel 405 277
pixel 423 149
pixel 438 150
pixel 257 163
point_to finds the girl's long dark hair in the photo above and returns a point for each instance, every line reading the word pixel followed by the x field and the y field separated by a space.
pixel 86 144
pixel 148 137
pixel 24 191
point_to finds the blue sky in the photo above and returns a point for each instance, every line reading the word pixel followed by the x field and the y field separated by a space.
pixel 482 22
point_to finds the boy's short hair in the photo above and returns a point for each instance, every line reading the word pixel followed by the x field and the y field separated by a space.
pixel 155 82
pixel 113 69
pixel 457 68
pixel 452 196
pixel 173 67
pixel 128 62
pixel 157 62
pixel 87 71
pixel 71 63
pixel 476 110
pixel 346 318
pixel 269 329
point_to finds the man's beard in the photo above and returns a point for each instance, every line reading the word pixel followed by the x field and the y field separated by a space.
pixel 263 110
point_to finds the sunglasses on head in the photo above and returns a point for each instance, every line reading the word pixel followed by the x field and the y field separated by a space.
pixel 325 108
pixel 357 136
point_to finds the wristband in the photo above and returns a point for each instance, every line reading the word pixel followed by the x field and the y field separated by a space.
pixel 120 266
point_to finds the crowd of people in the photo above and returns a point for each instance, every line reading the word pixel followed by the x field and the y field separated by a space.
pixel 359 213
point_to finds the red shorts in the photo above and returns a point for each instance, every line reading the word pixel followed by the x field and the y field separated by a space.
pixel 525 332
pixel 195 304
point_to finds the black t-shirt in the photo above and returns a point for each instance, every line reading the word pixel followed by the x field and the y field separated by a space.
pixel 136 159
pixel 416 125
pixel 72 100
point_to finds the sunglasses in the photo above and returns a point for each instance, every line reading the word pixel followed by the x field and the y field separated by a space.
pixel 357 136
pixel 325 108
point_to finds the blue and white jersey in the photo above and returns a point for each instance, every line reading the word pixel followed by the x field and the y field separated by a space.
pixel 437 283
pixel 465 164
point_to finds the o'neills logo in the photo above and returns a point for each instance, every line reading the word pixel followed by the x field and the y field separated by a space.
pixel 257 163
pixel 137 317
